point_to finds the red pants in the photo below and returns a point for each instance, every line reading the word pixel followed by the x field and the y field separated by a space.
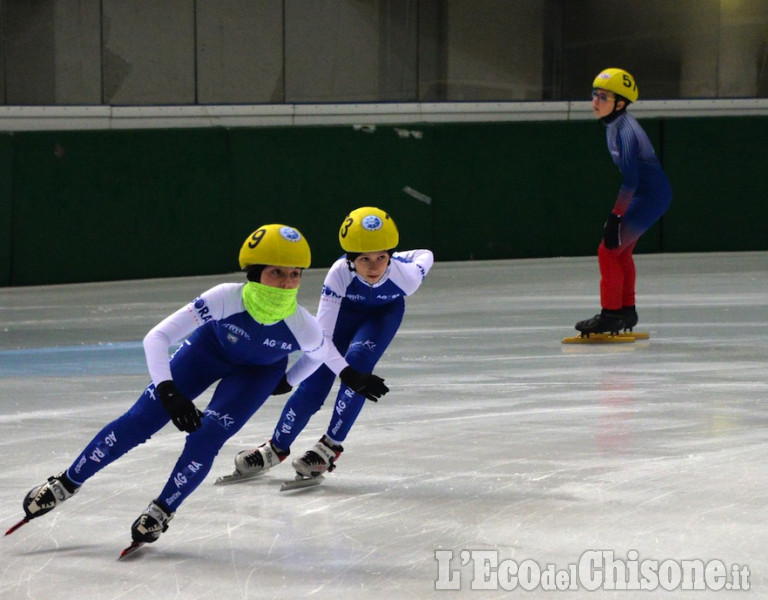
pixel 617 276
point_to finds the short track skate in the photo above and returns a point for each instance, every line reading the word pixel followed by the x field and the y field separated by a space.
pixel 130 550
pixel 300 482
pixel 24 521
pixel 237 477
pixel 623 337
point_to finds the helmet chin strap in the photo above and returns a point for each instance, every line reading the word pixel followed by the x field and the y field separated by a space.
pixel 616 112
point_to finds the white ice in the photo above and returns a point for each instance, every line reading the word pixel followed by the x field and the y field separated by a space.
pixel 494 436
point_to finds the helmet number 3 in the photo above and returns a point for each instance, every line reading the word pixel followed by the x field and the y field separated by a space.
pixel 345 227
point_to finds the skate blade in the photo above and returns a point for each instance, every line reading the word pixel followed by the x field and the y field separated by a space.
pixel 301 482
pixel 130 550
pixel 24 521
pixel 638 335
pixel 625 337
pixel 236 478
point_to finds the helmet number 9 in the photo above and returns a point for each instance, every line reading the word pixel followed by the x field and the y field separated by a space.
pixel 257 236
pixel 345 227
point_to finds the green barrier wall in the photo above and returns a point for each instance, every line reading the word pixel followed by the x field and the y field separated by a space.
pixel 92 206
pixel 104 205
pixel 718 171
pixel 523 189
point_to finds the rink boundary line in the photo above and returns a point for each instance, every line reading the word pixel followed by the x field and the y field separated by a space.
pixel 71 348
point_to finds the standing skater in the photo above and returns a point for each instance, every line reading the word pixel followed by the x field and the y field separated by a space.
pixel 361 308
pixel 240 334
pixel 643 198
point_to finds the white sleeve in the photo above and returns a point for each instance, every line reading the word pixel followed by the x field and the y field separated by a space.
pixel 334 289
pixel 411 267
pixel 161 337
pixel 308 363
pixel 218 301
pixel 328 314
pixel 307 331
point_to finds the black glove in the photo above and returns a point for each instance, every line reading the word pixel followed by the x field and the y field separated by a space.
pixel 283 387
pixel 612 231
pixel 369 385
pixel 183 412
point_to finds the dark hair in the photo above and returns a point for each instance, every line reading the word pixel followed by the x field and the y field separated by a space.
pixel 253 272
pixel 353 256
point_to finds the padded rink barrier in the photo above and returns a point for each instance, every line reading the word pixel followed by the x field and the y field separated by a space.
pixel 80 206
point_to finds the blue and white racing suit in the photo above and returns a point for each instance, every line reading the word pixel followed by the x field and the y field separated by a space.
pixel 225 344
pixel 359 320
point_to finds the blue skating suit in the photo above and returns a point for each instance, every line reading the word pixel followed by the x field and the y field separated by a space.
pixel 644 196
pixel 361 320
pixel 225 344
pixel 645 192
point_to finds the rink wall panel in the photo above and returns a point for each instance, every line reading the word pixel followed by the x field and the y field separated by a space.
pixel 99 205
pixel 720 180
pixel 311 177
pixel 102 205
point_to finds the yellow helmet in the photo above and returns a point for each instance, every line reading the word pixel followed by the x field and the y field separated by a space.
pixel 617 81
pixel 278 245
pixel 368 229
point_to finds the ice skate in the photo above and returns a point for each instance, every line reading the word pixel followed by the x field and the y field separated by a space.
pixel 252 463
pixel 44 498
pixel 630 317
pixel 150 524
pixel 147 528
pixel 609 327
pixel 311 466
pixel 300 482
pixel 608 321
pixel 320 459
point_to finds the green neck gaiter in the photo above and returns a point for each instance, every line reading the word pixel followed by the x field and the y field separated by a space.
pixel 268 304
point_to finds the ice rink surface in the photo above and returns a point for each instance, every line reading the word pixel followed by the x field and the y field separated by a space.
pixel 495 437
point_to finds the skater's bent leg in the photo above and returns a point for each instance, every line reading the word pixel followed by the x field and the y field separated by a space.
pixel 642 214
pixel 373 337
pixel 368 345
pixel 627 262
pixel 236 398
pixel 303 403
pixel 194 464
pixel 345 413
pixel 143 419
pixel 611 278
